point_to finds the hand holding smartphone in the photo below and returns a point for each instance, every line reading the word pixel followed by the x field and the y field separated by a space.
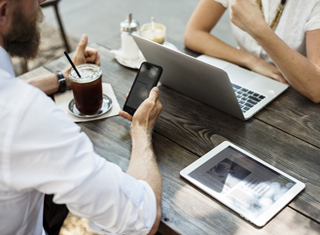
pixel 146 78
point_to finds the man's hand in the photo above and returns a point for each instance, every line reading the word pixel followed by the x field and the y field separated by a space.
pixel 246 15
pixel 148 112
pixel 143 164
pixel 84 54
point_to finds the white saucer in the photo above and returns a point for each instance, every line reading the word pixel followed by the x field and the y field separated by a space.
pixel 170 45
pixel 135 64
pixel 106 106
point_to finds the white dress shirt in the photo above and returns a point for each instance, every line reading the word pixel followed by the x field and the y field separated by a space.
pixel 43 152
pixel 298 17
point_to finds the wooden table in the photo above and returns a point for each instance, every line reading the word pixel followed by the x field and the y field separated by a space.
pixel 285 134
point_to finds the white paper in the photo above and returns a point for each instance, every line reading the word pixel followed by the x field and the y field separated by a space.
pixel 63 100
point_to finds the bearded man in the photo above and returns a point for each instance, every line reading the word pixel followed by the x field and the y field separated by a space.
pixel 43 152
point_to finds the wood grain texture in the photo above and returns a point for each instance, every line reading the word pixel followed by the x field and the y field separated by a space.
pixel 294 114
pixel 185 209
pixel 193 125
pixel 188 129
pixel 290 112
pixel 34 73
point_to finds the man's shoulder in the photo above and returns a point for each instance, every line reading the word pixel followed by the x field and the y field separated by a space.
pixel 14 90
pixel 19 99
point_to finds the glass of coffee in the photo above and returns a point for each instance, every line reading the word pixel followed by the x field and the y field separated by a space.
pixel 87 89
pixel 154 31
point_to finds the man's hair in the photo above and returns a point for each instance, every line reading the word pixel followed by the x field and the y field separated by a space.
pixel 23 39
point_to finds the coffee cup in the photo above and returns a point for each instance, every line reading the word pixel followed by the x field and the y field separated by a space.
pixel 87 89
pixel 154 31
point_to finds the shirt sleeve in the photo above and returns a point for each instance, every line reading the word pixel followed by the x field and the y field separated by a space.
pixel 314 19
pixel 224 3
pixel 51 155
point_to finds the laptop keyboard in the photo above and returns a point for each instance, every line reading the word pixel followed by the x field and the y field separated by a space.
pixel 246 98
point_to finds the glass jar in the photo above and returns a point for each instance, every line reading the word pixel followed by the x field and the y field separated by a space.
pixel 129 48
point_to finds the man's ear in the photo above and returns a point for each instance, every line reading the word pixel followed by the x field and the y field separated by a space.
pixel 4 12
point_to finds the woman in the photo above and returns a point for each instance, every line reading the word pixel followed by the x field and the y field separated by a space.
pixel 276 38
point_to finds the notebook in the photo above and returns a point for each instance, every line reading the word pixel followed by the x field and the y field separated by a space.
pixel 217 83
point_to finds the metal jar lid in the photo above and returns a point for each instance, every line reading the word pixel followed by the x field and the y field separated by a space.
pixel 129 25
pixel 88 72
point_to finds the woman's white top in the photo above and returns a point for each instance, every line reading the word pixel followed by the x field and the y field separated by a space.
pixel 298 17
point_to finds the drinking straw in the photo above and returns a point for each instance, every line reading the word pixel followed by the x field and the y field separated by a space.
pixel 74 67
pixel 152 23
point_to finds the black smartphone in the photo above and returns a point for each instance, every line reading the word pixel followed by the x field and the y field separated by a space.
pixel 146 78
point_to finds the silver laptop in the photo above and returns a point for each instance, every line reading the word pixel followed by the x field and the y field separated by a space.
pixel 217 83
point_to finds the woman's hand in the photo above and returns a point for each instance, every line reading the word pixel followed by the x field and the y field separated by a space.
pixel 246 15
pixel 262 67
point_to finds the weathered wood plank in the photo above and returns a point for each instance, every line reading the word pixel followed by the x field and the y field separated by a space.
pixel 294 114
pixel 290 112
pixel 186 209
pixel 34 73
pixel 192 125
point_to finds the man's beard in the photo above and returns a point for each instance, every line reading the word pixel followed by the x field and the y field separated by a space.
pixel 24 38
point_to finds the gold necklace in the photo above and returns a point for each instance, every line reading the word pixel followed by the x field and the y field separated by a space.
pixel 276 19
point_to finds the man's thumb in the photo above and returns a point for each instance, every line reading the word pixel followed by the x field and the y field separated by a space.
pixel 83 43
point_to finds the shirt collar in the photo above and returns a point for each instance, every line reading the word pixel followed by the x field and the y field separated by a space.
pixel 5 62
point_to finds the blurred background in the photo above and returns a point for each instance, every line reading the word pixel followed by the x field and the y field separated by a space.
pixel 100 20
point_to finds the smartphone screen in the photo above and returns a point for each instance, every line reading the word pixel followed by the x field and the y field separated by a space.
pixel 147 77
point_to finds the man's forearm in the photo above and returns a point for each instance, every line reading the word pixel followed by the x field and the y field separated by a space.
pixel 49 83
pixel 143 165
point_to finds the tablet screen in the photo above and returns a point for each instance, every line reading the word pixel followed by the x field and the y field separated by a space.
pixel 241 182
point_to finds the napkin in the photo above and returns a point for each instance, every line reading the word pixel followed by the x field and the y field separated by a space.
pixel 63 100
pixel 134 64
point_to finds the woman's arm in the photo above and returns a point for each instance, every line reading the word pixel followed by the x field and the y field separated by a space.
pixel 198 38
pixel 303 73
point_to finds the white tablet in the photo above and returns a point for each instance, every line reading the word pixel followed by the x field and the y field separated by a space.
pixel 251 187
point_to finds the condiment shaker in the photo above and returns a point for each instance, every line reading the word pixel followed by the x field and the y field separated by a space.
pixel 129 48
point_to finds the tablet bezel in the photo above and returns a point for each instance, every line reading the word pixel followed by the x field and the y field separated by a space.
pixel 269 213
